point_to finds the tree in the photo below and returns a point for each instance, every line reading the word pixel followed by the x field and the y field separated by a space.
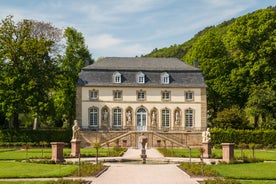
pixel 76 57
pixel 261 104
pixel 27 66
pixel 231 118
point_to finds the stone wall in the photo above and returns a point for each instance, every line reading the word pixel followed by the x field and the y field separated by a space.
pixel 131 138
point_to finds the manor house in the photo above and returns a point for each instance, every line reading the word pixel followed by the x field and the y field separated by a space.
pixel 118 98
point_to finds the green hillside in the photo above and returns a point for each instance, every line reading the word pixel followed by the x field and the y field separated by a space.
pixel 238 59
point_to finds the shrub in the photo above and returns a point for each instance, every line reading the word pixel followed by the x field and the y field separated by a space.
pixel 64 181
pixel 88 169
pixel 260 136
pixel 196 169
pixel 221 181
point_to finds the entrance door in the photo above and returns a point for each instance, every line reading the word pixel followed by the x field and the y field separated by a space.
pixel 141 120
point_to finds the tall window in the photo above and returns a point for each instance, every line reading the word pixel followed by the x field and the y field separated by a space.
pixel 165 118
pixel 117 95
pixel 189 95
pixel 165 78
pixel 117 77
pixel 141 95
pixel 140 78
pixel 166 95
pixel 117 117
pixel 94 117
pixel 189 113
pixel 93 95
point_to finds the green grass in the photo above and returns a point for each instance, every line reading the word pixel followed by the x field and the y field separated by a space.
pixel 252 171
pixel 179 152
pixel 26 182
pixel 258 182
pixel 259 153
pixel 22 154
pixel 9 169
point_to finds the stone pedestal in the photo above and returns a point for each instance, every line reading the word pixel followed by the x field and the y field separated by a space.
pixel 207 146
pixel 75 148
pixel 57 151
pixel 227 152
pixel 143 155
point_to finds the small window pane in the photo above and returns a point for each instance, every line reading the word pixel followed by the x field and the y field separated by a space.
pixel 141 95
pixel 93 95
pixel 189 96
pixel 166 95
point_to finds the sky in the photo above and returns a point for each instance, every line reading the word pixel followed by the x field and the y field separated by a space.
pixel 129 28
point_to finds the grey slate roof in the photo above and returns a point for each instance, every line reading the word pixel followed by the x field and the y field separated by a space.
pixel 101 73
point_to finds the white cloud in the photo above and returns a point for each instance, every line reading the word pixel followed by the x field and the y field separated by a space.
pixel 104 41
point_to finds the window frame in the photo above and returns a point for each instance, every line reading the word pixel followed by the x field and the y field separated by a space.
pixel 140 78
pixel 189 118
pixel 93 117
pixel 92 95
pixel 166 95
pixel 165 78
pixel 117 117
pixel 117 78
pixel 117 95
pixel 139 94
pixel 165 118
pixel 189 94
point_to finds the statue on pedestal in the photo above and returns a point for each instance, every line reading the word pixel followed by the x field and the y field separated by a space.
pixel 143 141
pixel 206 136
pixel 129 118
pixel 76 130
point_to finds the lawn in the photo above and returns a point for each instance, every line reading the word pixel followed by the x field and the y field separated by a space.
pixel 252 171
pixel 22 154
pixel 259 153
pixel 12 169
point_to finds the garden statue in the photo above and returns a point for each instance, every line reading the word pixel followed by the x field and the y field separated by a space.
pixel 206 136
pixel 143 141
pixel 76 130
pixel 128 117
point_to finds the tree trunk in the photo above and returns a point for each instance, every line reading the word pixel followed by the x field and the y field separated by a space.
pixel 256 123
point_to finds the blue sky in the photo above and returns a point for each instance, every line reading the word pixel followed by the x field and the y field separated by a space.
pixel 129 28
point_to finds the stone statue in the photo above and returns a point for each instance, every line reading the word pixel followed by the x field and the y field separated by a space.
pixel 76 130
pixel 177 118
pixel 206 136
pixel 153 117
pixel 143 141
pixel 105 115
pixel 129 117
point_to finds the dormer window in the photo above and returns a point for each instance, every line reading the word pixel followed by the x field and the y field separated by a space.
pixel 140 78
pixel 165 78
pixel 117 77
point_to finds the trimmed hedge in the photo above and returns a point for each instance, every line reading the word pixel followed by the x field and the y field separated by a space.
pixel 259 136
pixel 35 136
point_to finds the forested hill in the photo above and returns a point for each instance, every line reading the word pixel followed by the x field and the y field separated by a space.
pixel 238 59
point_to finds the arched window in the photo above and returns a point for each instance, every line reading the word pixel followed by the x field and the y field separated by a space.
pixel 117 117
pixel 140 78
pixel 165 118
pixel 94 117
pixel 165 78
pixel 189 118
pixel 117 77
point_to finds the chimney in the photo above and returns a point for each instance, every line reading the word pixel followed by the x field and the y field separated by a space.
pixel 196 63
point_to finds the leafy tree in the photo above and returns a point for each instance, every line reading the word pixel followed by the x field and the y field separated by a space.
pixel 76 57
pixel 27 67
pixel 261 104
pixel 231 118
